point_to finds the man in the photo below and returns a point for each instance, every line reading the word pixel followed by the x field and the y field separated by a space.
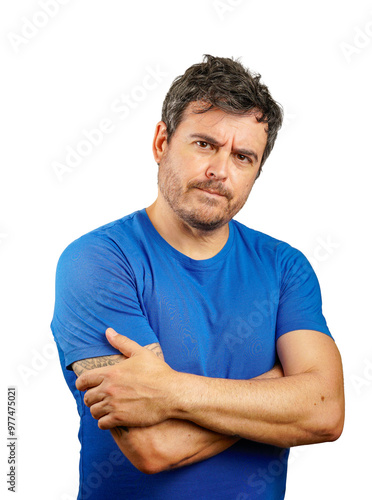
pixel 200 343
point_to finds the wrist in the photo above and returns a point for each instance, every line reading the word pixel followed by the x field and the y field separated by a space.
pixel 190 392
pixel 178 394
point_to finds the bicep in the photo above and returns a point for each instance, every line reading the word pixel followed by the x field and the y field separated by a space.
pixel 83 365
pixel 96 288
pixel 314 358
pixel 300 301
pixel 305 351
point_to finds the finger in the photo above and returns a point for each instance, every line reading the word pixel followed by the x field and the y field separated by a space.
pixel 107 422
pixel 99 410
pixel 88 379
pixel 124 344
pixel 93 396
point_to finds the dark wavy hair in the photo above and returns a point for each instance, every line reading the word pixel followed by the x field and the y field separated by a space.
pixel 223 83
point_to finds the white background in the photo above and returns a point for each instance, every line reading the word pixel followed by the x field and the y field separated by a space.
pixel 64 75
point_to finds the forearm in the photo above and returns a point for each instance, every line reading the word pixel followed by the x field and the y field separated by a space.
pixel 171 444
pixel 174 443
pixel 305 406
pixel 284 412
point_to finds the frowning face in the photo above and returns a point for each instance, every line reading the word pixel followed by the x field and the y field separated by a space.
pixel 208 168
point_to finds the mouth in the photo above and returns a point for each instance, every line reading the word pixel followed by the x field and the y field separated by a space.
pixel 212 192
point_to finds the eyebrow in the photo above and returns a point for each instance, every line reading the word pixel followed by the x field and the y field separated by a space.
pixel 214 142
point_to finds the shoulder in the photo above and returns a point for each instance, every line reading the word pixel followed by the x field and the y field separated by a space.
pixel 263 244
pixel 107 253
pixel 105 242
pixel 272 253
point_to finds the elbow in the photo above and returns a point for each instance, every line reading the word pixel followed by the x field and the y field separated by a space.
pixel 145 451
pixel 151 466
pixel 337 418
pixel 150 460
pixel 148 469
pixel 323 427
pixel 332 425
pixel 158 463
pixel 336 427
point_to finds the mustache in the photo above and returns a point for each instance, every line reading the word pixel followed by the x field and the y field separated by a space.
pixel 218 187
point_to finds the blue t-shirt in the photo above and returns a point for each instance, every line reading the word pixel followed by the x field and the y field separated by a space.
pixel 218 317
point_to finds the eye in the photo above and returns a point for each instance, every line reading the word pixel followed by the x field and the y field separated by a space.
pixel 244 158
pixel 203 144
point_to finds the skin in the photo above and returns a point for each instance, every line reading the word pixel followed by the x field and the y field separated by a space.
pixel 305 406
pixel 206 172
pixel 167 445
pixel 204 183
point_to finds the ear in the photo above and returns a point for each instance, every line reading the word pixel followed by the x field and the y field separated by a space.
pixel 159 144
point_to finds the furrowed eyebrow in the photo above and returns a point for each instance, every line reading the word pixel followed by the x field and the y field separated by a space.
pixel 247 152
pixel 214 142
pixel 206 138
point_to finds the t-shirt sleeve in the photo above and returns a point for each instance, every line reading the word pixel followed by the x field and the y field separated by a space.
pixel 300 302
pixel 96 289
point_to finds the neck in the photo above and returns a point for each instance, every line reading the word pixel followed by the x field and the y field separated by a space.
pixel 194 243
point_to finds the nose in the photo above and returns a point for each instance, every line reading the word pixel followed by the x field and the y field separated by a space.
pixel 218 166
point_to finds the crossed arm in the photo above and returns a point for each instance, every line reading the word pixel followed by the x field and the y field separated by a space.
pixel 170 444
pixel 175 418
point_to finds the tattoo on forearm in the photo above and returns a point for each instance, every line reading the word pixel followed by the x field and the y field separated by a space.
pixel 90 364
pixel 120 429
pixel 156 349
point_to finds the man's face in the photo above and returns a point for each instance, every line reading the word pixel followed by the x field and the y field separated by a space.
pixel 208 168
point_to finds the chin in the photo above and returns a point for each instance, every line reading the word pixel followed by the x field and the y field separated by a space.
pixel 204 223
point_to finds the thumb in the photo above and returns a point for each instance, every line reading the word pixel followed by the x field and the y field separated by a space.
pixel 124 344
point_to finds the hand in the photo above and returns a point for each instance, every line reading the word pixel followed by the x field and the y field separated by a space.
pixel 135 393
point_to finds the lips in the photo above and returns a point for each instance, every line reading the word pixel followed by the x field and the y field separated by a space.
pixel 212 188
pixel 211 191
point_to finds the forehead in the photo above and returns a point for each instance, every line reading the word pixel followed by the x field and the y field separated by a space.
pixel 225 127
